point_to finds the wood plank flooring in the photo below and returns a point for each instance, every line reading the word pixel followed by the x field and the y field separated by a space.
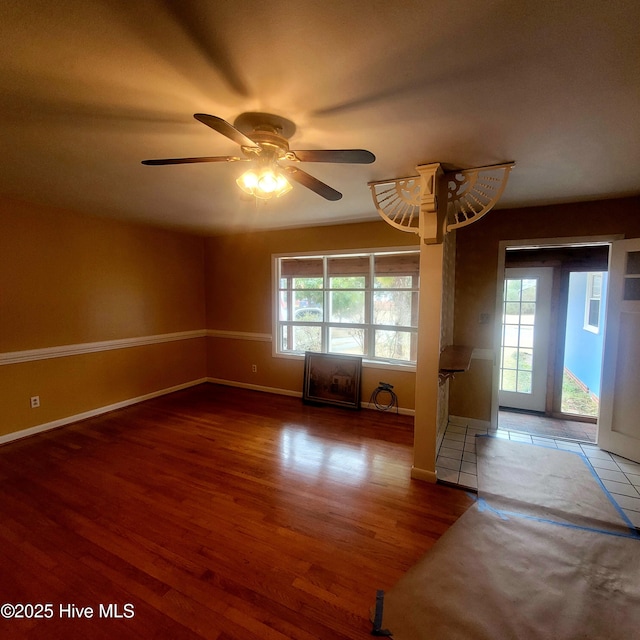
pixel 217 513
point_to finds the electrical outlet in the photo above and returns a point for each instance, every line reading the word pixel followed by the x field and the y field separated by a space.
pixel 35 402
pixel 254 368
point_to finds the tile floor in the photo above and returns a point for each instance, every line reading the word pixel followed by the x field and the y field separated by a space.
pixel 456 463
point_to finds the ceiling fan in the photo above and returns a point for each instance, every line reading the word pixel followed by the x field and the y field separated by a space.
pixel 264 140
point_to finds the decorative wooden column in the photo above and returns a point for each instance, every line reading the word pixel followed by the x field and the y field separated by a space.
pixel 431 205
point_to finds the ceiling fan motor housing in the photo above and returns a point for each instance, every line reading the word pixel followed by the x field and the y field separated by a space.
pixel 270 143
pixel 269 131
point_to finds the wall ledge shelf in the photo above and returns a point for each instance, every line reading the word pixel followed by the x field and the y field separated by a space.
pixel 454 359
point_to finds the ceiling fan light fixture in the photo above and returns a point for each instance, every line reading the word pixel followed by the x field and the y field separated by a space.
pixel 264 140
pixel 264 183
pixel 248 181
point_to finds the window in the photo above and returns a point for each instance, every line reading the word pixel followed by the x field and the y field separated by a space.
pixel 592 302
pixel 361 304
pixel 518 321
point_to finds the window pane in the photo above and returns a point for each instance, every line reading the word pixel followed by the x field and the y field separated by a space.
pixel 631 289
pixel 510 335
pixel 347 306
pixel 594 313
pixel 596 285
pixel 347 282
pixel 347 340
pixel 529 288
pixel 509 358
pixel 633 264
pixel 527 313
pixel 512 290
pixel 525 358
pixel 283 306
pixel 524 382
pixel 307 283
pixel 508 380
pixel 396 282
pixel 304 300
pixel 512 312
pixel 308 314
pixel 306 339
pixel 393 308
pixel 526 337
pixel 395 345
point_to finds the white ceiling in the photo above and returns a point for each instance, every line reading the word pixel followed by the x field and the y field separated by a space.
pixel 89 88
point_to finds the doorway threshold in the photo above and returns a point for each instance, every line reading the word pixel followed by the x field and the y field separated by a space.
pixel 540 425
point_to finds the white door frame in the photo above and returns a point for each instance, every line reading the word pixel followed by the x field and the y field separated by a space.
pixel 535 243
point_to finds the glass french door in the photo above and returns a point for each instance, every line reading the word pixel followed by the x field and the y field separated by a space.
pixel 524 349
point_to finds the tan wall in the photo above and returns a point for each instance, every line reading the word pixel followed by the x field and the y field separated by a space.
pixel 239 292
pixel 82 383
pixel 74 279
pixel 476 276
pixel 68 279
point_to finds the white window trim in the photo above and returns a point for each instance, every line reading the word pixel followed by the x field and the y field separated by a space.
pixel 275 287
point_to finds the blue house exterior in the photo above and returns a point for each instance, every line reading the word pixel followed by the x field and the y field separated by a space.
pixel 585 328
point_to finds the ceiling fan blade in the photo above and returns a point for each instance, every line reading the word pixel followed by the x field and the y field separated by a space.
pixel 191 160
pixel 307 180
pixel 226 129
pixel 352 156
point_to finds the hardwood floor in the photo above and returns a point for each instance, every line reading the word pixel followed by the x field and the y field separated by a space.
pixel 217 513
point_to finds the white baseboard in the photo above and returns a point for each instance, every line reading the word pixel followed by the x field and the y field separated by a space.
pixel 401 410
pixel 295 394
pixel 423 474
pixel 47 426
pixel 256 387
pixel 474 423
